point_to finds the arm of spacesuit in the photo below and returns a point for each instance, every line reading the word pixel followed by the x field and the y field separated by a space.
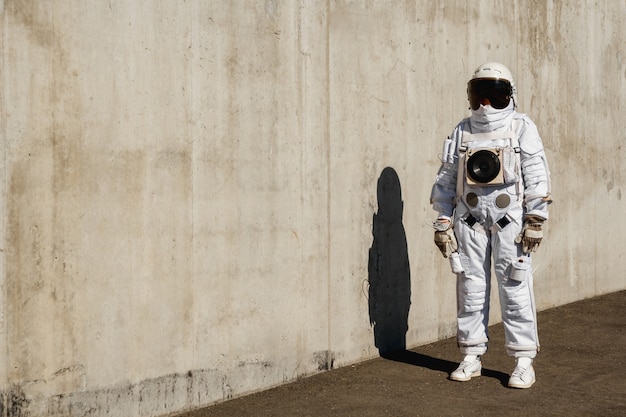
pixel 537 193
pixel 443 193
pixel 442 198
pixel 535 172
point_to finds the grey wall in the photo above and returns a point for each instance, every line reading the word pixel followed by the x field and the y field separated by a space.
pixel 202 199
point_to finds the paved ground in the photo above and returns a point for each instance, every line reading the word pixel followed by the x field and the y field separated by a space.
pixel 580 372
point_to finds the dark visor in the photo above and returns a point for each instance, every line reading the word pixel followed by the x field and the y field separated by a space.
pixel 498 92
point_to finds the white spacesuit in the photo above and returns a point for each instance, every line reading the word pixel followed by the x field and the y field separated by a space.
pixel 492 193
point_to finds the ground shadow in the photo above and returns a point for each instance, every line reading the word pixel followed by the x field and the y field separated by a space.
pixel 442 365
pixel 389 275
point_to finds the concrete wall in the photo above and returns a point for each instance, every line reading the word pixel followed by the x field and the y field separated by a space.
pixel 207 198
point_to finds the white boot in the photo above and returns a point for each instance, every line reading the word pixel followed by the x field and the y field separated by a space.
pixel 469 368
pixel 524 374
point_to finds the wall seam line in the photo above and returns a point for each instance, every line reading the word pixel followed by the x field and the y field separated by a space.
pixel 328 191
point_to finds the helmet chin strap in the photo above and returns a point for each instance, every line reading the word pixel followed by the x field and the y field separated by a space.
pixel 487 119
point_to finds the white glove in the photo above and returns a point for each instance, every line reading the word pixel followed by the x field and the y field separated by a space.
pixel 444 237
pixel 531 235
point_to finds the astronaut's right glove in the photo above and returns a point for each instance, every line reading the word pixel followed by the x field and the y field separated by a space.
pixel 531 235
pixel 444 237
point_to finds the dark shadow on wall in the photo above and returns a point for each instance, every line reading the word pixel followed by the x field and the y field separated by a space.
pixel 388 269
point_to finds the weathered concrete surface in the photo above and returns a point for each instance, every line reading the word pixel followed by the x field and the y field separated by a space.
pixel 198 196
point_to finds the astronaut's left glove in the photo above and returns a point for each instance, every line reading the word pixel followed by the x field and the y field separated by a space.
pixel 444 237
pixel 532 234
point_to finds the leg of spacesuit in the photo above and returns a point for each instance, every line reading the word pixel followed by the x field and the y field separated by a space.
pixel 473 288
pixel 515 285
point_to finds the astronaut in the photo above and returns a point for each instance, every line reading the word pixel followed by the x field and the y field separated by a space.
pixel 492 193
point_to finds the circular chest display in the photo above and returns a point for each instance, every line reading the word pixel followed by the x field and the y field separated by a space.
pixel 483 166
